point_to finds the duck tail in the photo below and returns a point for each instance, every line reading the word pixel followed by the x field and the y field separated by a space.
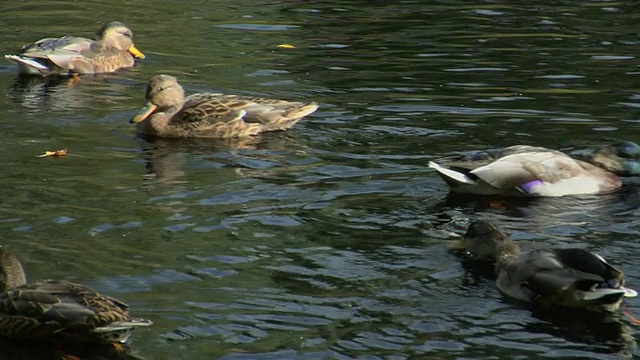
pixel 123 325
pixel 451 177
pixel 28 65
pixel 292 115
pixel 120 331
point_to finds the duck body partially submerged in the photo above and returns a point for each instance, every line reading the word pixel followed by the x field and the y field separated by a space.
pixel 536 171
pixel 549 277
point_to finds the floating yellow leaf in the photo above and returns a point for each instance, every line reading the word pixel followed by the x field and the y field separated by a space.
pixel 626 311
pixel 62 152
pixel 286 46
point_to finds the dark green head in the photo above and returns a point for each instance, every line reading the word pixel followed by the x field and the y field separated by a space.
pixel 621 158
pixel 11 271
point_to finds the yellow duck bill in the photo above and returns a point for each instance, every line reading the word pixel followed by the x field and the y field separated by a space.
pixel 136 53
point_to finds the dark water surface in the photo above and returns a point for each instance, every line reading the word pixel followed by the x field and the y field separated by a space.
pixel 328 241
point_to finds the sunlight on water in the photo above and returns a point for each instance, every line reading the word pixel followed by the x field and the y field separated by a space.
pixel 329 240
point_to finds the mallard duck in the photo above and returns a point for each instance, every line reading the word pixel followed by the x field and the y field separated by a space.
pixel 113 49
pixel 537 171
pixel 565 277
pixel 168 114
pixel 57 308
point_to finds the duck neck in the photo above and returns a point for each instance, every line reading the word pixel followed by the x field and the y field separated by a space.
pixel 506 256
pixel 160 123
pixel 604 159
pixel 154 125
pixel 170 111
pixel 11 272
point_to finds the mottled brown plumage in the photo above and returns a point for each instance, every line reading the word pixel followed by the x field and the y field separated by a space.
pixel 168 114
pixel 113 49
pixel 52 308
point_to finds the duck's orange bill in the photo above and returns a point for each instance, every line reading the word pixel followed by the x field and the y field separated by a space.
pixel 135 52
pixel 144 113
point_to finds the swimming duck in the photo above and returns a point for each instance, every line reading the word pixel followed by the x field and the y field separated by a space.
pixel 565 277
pixel 168 114
pixel 113 49
pixel 57 308
pixel 537 171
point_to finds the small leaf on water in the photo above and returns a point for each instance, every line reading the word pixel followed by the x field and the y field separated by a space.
pixel 628 313
pixel 62 152
pixel 286 46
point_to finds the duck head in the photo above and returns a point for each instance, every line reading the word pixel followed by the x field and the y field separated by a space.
pixel 11 271
pixel 621 158
pixel 486 241
pixel 119 36
pixel 164 95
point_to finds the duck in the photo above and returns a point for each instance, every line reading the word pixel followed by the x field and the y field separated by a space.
pixel 168 114
pixel 537 171
pixel 59 309
pixel 570 277
pixel 113 49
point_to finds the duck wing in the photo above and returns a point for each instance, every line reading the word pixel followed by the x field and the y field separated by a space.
pixel 52 307
pixel 548 174
pixel 568 277
pixel 516 169
pixel 30 312
pixel 273 114
pixel 232 115
pixel 66 43
pixel 206 109
pixel 204 115
pixel 60 51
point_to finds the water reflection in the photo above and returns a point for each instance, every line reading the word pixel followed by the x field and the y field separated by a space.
pixel 601 335
pixel 327 241
pixel 553 217
pixel 36 94
pixel 253 156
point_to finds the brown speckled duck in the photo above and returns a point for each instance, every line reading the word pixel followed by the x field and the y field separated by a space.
pixel 168 114
pixel 548 277
pixel 113 49
pixel 57 308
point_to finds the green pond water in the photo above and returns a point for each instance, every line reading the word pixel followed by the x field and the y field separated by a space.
pixel 327 241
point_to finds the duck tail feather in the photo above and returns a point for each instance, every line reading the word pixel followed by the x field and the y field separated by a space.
pixel 26 61
pixel 451 174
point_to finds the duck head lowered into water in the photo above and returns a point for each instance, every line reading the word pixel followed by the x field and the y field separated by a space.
pixel 536 171
pixel 564 277
pixel 57 308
